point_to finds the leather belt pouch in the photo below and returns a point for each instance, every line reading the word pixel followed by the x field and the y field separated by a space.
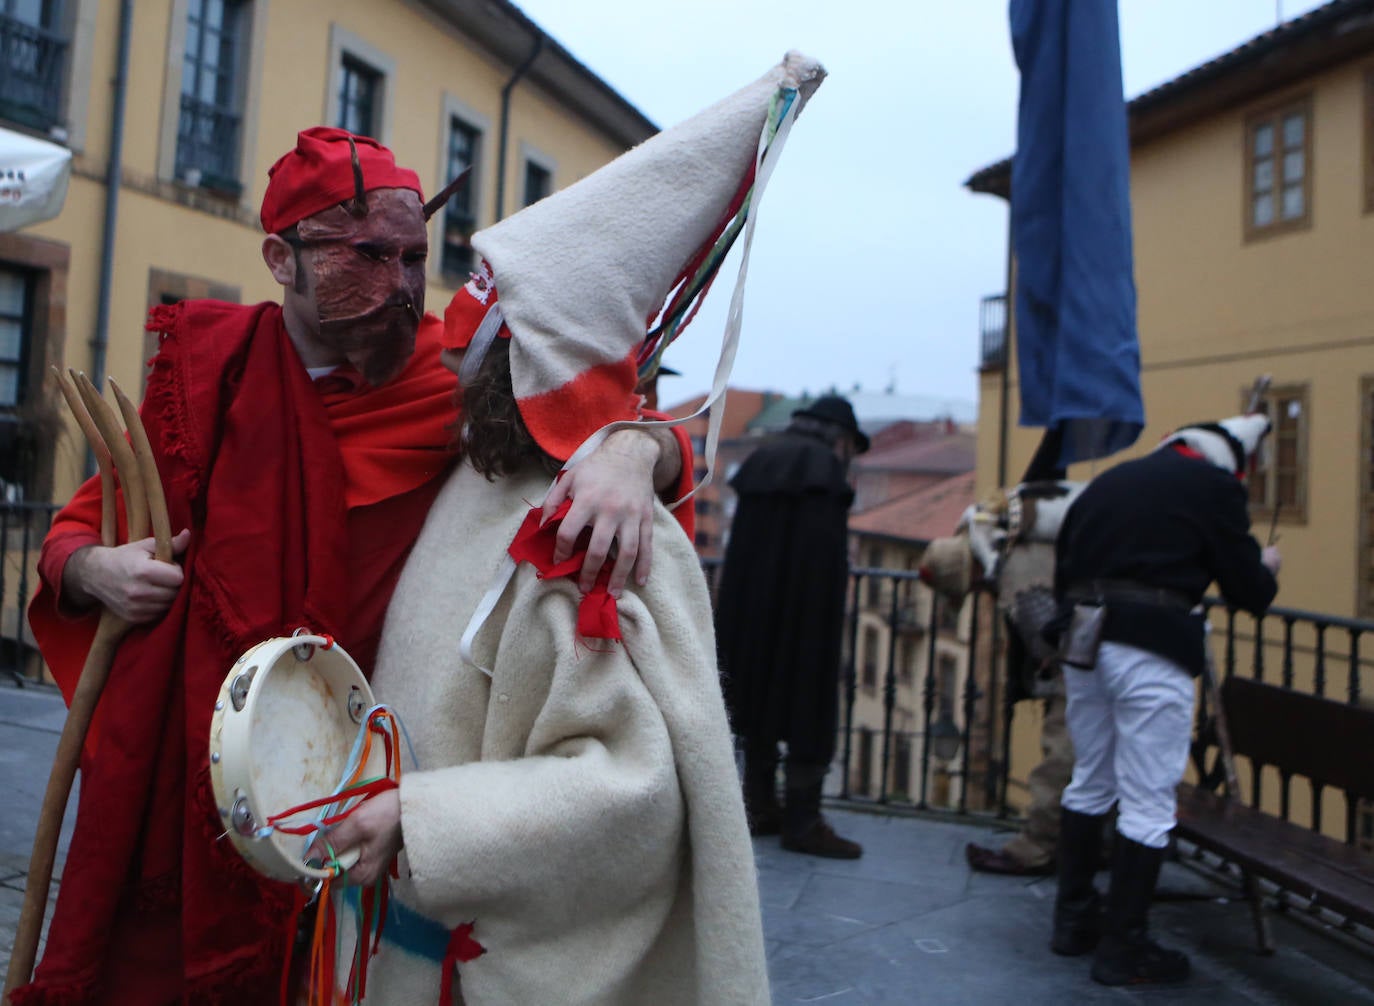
pixel 1083 637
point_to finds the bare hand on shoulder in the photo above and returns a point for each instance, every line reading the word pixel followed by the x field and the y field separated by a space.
pixel 612 492
pixel 126 580
pixel 1271 559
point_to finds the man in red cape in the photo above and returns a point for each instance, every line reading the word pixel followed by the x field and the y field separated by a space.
pixel 300 444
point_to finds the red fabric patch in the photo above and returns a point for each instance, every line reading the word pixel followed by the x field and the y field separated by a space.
pixel 468 307
pixel 561 419
pixel 597 617
pixel 1182 448
pixel 461 949
pixel 401 435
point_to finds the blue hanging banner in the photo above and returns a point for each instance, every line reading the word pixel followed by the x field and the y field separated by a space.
pixel 1075 299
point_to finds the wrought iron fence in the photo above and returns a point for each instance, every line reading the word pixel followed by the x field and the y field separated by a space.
pixel 32 62
pixel 910 735
pixel 906 741
pixel 930 732
pixel 22 528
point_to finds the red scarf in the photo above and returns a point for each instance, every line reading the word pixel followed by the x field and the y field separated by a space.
pixel 263 474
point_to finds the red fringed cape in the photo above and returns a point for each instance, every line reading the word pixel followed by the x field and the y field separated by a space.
pixel 303 503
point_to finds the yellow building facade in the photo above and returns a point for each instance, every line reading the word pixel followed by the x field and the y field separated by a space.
pixel 1252 187
pixel 214 92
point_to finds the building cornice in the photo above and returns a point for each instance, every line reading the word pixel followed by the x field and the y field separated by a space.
pixel 503 30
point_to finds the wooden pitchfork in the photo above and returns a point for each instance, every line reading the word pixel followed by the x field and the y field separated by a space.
pixel 144 506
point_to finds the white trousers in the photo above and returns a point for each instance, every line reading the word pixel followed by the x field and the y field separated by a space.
pixel 1131 722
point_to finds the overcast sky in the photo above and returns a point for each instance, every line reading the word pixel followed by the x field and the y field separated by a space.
pixel 870 257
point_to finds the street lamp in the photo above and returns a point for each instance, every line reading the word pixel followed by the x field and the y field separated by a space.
pixel 945 738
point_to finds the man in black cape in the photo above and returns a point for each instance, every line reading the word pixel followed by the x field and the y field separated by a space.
pixel 780 617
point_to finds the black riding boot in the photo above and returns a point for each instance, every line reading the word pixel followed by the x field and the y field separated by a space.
pixel 1127 955
pixel 761 790
pixel 1077 906
pixel 804 829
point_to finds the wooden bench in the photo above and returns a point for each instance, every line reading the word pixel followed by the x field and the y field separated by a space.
pixel 1329 743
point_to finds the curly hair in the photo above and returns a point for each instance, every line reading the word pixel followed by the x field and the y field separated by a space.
pixel 495 438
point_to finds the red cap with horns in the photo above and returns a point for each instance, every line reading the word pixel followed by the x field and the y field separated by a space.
pixel 318 174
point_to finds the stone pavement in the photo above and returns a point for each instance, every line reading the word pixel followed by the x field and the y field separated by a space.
pixel 30 721
pixel 907 924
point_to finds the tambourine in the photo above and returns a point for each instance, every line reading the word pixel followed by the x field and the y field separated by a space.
pixel 285 723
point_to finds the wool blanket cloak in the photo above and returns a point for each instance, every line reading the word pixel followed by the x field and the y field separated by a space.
pixel 302 505
pixel 580 806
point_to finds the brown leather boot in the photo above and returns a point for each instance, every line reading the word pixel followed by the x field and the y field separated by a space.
pixel 819 839
pixel 804 830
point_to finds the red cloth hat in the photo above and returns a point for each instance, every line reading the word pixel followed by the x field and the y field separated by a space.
pixel 318 174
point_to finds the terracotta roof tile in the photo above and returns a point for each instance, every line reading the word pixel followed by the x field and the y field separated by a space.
pixel 923 515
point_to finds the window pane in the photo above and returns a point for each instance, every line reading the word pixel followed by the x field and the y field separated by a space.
pixel 1293 202
pixel 28 11
pixel 1264 210
pixel 1264 175
pixel 192 40
pixel 462 153
pixel 11 340
pixel 1264 140
pixel 1293 127
pixel 208 129
pixel 357 95
pixel 1293 166
pixel 12 287
pixel 9 385
pixel 538 181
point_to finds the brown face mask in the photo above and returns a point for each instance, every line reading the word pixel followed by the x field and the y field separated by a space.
pixel 369 280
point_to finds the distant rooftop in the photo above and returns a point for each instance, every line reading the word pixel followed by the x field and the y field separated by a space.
pixel 741 407
pixel 919 516
pixel 874 409
pixel 943 454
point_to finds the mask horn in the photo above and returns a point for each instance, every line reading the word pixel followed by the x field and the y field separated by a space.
pixel 446 193
pixel 358 204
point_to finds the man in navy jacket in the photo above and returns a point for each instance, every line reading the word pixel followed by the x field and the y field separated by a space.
pixel 1137 551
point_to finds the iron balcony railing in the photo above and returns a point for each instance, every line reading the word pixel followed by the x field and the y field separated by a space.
pixel 949 750
pixel 992 328
pixel 22 529
pixel 910 740
pixel 32 64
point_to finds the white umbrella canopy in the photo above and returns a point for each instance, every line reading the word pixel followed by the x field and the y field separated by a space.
pixel 33 179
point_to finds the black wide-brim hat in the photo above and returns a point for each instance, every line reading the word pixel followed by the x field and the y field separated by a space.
pixel 837 410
